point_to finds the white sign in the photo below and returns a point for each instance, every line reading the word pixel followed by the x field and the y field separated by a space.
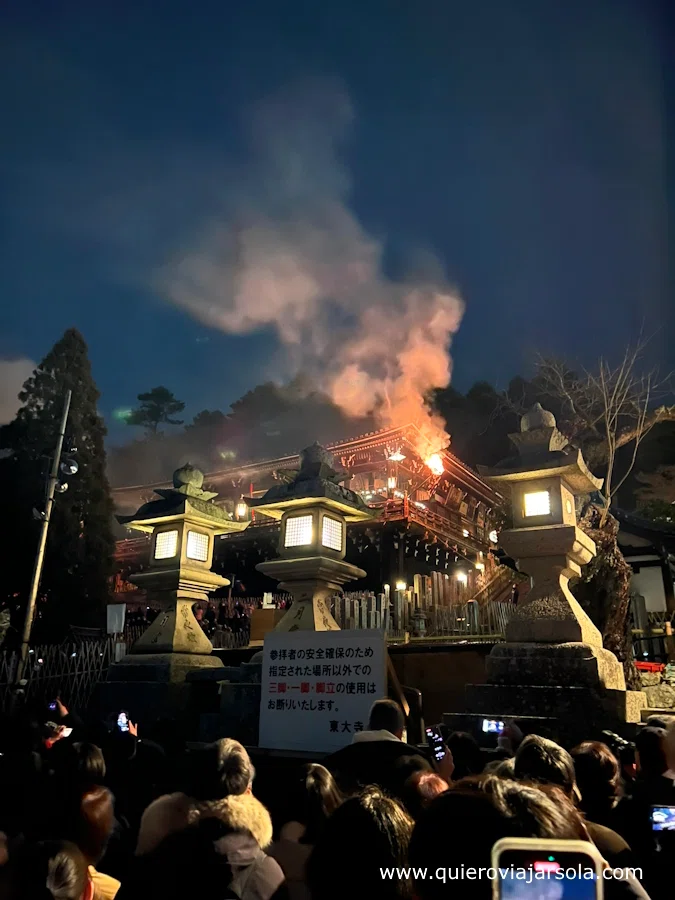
pixel 318 687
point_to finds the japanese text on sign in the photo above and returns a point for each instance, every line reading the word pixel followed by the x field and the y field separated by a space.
pixel 318 687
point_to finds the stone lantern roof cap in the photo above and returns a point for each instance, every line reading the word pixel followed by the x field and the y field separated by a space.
pixel 537 417
pixel 543 452
pixel 185 499
pixel 318 482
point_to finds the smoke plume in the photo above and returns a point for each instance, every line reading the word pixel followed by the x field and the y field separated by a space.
pixel 13 374
pixel 289 254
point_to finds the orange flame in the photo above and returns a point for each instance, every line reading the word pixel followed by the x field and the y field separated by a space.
pixel 435 463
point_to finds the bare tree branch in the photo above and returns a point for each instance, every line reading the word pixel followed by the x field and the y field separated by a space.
pixel 607 409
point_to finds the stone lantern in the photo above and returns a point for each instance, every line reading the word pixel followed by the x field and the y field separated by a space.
pixel 553 665
pixel 184 524
pixel 314 509
pixel 544 479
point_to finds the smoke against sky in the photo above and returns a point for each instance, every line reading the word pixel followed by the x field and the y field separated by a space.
pixel 13 374
pixel 287 253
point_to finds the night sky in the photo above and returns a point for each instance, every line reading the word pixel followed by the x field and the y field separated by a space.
pixel 523 142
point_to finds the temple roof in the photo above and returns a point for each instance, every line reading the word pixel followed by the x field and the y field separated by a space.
pixel 393 438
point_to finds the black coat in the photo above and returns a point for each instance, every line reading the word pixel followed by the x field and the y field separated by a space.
pixel 385 763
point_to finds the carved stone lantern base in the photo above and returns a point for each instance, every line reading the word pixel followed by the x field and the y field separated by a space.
pixel 311 581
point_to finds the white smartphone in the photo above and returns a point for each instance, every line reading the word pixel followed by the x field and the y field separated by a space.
pixel 534 869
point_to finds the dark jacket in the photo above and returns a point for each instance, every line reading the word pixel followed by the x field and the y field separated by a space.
pixel 224 841
pixel 373 761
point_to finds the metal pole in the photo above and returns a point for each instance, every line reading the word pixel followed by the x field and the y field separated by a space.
pixel 42 543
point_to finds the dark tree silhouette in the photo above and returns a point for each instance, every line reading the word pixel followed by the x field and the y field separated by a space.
pixel 157 406
pixel 78 560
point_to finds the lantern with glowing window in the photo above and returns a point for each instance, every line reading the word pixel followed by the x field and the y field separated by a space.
pixel 544 479
pixel 314 510
pixel 553 662
pixel 184 524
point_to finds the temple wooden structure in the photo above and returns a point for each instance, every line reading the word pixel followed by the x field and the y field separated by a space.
pixel 434 533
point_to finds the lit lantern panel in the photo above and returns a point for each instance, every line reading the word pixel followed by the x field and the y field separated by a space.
pixel 537 503
pixel 299 531
pixel 331 533
pixel 166 545
pixel 197 546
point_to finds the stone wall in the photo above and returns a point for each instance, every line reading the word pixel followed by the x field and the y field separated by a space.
pixel 660 687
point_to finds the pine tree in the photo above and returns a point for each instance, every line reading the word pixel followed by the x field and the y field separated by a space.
pixel 156 408
pixel 79 556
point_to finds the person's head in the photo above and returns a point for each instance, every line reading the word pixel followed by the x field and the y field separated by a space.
pixel 49 870
pixel 461 825
pixel 650 752
pixel 597 776
pixel 546 762
pixel 420 789
pixel 374 832
pixel 220 770
pixel 79 763
pixel 466 753
pixel 315 797
pixel 387 715
pixel 92 829
pixel 402 770
pixel 502 768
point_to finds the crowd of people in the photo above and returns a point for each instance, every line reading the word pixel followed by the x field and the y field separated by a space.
pixel 95 813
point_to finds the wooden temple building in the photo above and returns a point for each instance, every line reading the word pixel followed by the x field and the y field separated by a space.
pixel 434 532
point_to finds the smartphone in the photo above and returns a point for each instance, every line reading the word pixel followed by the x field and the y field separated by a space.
pixel 493 726
pixel 123 721
pixel 663 818
pixel 534 869
pixel 436 743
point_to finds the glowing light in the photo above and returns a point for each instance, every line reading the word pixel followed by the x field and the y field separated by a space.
pixel 166 545
pixel 331 533
pixel 537 503
pixel 299 531
pixel 420 505
pixel 122 414
pixel 197 546
pixel 465 533
pixel 462 577
pixel 493 537
pixel 435 463
pixel 396 456
pixel 241 510
pixel 391 482
pixel 401 585
pixel 480 566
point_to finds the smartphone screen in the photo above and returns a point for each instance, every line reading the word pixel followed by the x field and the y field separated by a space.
pixel 663 818
pixel 123 721
pixel 436 743
pixel 548 875
pixel 492 726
